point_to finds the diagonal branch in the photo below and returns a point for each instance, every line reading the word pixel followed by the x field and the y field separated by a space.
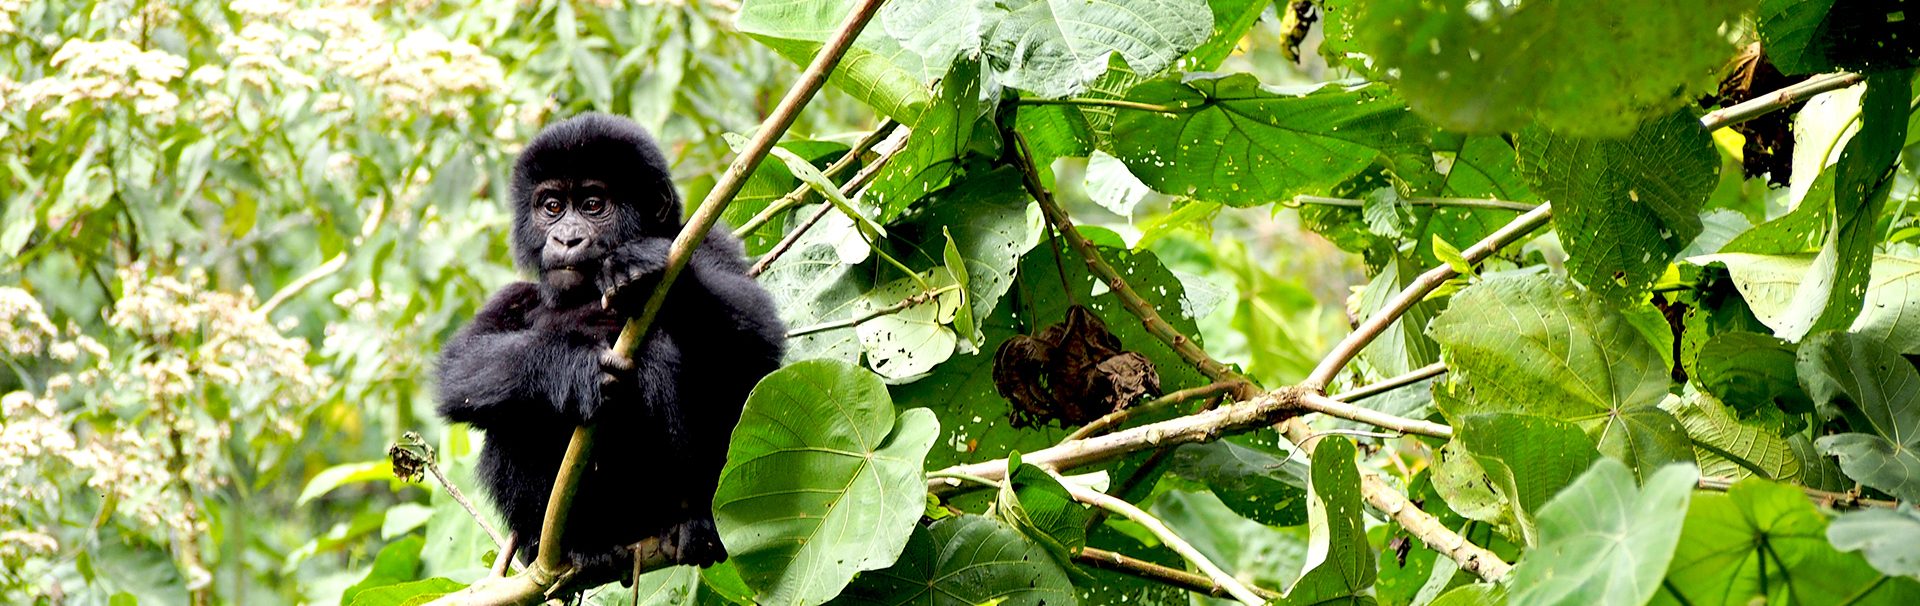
pixel 852 186
pixel 803 194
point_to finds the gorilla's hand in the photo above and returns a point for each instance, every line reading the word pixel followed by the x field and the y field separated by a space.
pixel 630 271
pixel 617 382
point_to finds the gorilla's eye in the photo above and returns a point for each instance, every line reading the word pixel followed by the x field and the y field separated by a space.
pixel 552 206
pixel 593 206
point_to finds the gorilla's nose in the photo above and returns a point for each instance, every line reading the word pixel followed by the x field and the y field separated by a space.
pixel 568 242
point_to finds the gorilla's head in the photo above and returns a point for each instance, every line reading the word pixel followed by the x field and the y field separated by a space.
pixel 583 186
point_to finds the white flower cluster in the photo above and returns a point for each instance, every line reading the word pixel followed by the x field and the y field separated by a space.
pixel 38 443
pixel 105 71
pixel 24 327
pixel 9 8
pixel 421 70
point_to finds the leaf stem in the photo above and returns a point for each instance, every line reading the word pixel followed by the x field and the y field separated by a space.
pixel 1383 386
pixel 803 194
pixel 859 180
pixel 1434 202
pixel 1112 103
pixel 1234 587
pixel 1836 500
pixel 902 305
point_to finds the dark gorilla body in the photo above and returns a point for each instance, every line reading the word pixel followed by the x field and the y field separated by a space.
pixel 594 214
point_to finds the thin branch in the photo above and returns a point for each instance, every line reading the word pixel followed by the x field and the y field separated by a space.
pixel 1422 286
pixel 1115 418
pixel 504 544
pixel 1836 500
pixel 1113 103
pixel 1132 566
pixel 895 308
pixel 1776 100
pixel 803 194
pixel 852 186
pixel 1159 327
pixel 374 220
pixel 548 569
pixel 1383 386
pixel 1234 587
pixel 504 557
pixel 1335 408
pixel 1434 202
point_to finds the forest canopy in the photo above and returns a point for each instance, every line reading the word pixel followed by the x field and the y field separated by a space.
pixel 1087 301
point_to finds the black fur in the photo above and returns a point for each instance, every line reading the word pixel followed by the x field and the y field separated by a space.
pixel 533 363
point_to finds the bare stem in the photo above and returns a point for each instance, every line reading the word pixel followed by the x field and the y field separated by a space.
pixel 1436 202
pixel 1422 286
pixel 1776 100
pixel 1132 566
pixel 1379 387
pixel 803 194
pixel 1837 500
pixel 1115 418
pixel 1335 408
pixel 895 308
pixel 504 544
pixel 852 186
pixel 1113 103
pixel 1234 587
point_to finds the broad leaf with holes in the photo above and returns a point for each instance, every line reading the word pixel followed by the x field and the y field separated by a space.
pixel 1878 392
pixel 1344 571
pixel 934 148
pixel 965 561
pixel 1623 207
pixel 1538 345
pixel 1264 488
pixel 876 70
pixel 822 481
pixel 1053 48
pixel 1605 541
pixel 1231 139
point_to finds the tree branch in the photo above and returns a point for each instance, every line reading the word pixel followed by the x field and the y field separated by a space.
pixel 1335 408
pixel 804 193
pixel 1113 103
pixel 1422 286
pixel 1776 100
pixel 1435 202
pixel 548 569
pixel 1115 418
pixel 1379 387
pixel 895 308
pixel 1837 500
pixel 1234 587
pixel 852 186
pixel 1132 566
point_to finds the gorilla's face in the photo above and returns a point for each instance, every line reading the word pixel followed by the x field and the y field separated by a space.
pixel 577 220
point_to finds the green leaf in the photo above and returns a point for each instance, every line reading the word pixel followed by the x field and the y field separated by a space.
pixel 804 170
pixel 397 563
pixel 1889 538
pixel 1536 345
pixel 1727 448
pixel 965 561
pixel 1034 503
pixel 1605 541
pixel 1623 207
pixel 933 150
pixel 1754 374
pixel 1812 36
pixel 1528 458
pixel 1345 571
pixel 876 70
pixel 1590 68
pixel 342 475
pixel 1765 542
pixel 910 342
pixel 407 594
pixel 956 267
pixel 1110 185
pixel 992 223
pixel 820 437
pixel 813 284
pixel 1260 486
pixel 1450 255
pixel 1473 594
pixel 1054 48
pixel 1235 141
pixel 1876 389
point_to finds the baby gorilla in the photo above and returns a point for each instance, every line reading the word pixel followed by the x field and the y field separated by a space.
pixel 594 212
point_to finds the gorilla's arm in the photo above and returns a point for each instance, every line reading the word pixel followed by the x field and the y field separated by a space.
pixel 513 364
pixel 713 293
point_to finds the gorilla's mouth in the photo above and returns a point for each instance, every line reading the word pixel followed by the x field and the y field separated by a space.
pixel 565 277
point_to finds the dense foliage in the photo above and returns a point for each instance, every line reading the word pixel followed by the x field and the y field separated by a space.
pixel 1592 300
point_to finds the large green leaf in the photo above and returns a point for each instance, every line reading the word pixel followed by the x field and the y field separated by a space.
pixel 1765 542
pixel 877 69
pixel 397 563
pixel 1344 573
pixel 1587 67
pixel 814 285
pixel 965 561
pixel 1034 503
pixel 1811 36
pixel 1053 48
pixel 1235 141
pixel 1255 484
pixel 1879 393
pixel 822 481
pixel 411 593
pixel 1605 541
pixel 1623 207
pixel 1889 538
pixel 1537 345
pixel 934 149
pixel 1726 447
pixel 905 344
pixel 1754 374
pixel 1528 459
pixel 1890 308
pixel 993 224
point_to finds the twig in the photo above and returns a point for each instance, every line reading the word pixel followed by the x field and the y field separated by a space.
pixel 1360 337
pixel 804 193
pixel 1113 103
pixel 1335 408
pixel 504 544
pixel 1128 565
pixel 1115 418
pixel 1234 587
pixel 1776 100
pixel 1379 387
pixel 302 283
pixel 1435 202
pixel 852 186
pixel 505 556
pixel 1838 500
pixel 863 318
pixel 542 576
